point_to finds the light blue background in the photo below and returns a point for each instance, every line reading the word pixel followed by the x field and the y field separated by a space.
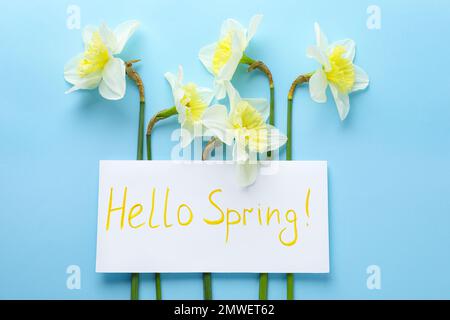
pixel 388 162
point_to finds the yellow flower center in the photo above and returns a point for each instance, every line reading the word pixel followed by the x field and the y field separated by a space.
pixel 245 116
pixel 195 106
pixel 251 126
pixel 95 57
pixel 342 73
pixel 222 53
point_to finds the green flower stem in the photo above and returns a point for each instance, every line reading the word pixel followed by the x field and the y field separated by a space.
pixel 253 64
pixel 164 114
pixel 140 148
pixel 207 286
pixel 207 280
pixel 158 286
pixel 290 286
pixel 246 60
pixel 272 105
pixel 161 115
pixel 135 286
pixel 289 131
pixel 263 286
pixel 299 81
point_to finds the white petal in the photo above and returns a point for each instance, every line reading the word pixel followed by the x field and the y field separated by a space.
pixel 176 83
pixel 253 27
pixel 85 85
pixel 350 48
pixel 180 74
pixel 342 102
pixel 187 134
pixel 108 37
pixel 220 89
pixel 90 82
pixel 233 96
pixel 319 55
pixel 361 79
pixel 72 89
pixel 240 153
pixel 321 38
pixel 172 79
pixel 318 85
pixel 231 25
pixel 113 84
pixel 229 69
pixel 247 173
pixel 206 94
pixel 261 105
pixel 236 29
pixel 257 141
pixel 206 55
pixel 275 138
pixel 237 51
pixel 181 112
pixel 177 92
pixel 87 33
pixel 123 32
pixel 72 76
pixel 267 139
pixel 215 119
pixel 199 129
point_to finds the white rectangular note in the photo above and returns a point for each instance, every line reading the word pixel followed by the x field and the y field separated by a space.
pixel 166 216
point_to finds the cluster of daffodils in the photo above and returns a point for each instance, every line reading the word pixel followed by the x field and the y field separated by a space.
pixel 98 65
pixel 337 71
pixel 243 126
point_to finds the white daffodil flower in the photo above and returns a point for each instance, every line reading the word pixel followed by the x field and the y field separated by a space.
pixel 222 58
pixel 97 66
pixel 337 71
pixel 193 107
pixel 246 129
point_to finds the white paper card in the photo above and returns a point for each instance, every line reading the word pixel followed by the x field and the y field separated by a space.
pixel 165 216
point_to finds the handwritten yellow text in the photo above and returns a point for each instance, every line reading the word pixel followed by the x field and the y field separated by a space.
pixel 137 216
